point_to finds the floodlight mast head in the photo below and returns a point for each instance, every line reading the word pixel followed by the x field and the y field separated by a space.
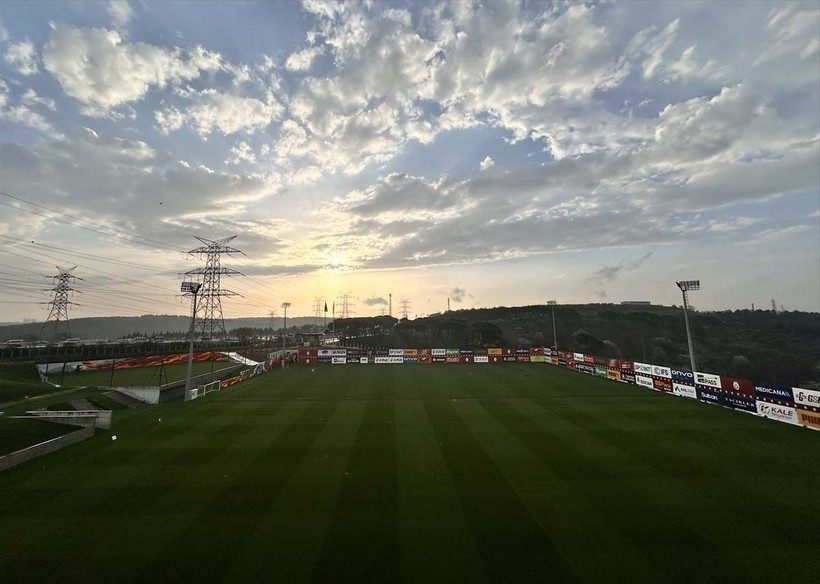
pixel 686 285
pixel 190 287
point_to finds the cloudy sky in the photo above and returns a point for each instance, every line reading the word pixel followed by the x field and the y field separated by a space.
pixel 494 153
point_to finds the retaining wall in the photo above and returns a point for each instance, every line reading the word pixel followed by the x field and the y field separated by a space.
pixel 47 447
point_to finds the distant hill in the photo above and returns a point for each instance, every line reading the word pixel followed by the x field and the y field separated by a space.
pixel 759 345
pixel 115 327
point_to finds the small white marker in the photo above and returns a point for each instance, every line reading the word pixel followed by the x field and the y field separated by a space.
pixel 113 437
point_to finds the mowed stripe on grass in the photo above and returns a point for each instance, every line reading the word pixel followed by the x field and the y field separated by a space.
pixel 414 473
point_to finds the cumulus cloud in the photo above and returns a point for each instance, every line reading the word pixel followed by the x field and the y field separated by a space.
pixel 227 113
pixel 487 163
pixel 22 56
pixel 303 60
pixel 241 152
pixel 120 12
pixel 375 301
pixel 102 71
pixel 457 295
pixel 23 115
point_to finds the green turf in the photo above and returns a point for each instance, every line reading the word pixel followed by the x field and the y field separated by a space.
pixel 18 433
pixel 439 473
pixel 20 380
pixel 136 376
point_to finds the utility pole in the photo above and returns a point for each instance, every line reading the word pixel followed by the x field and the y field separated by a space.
pixel 686 286
pixel 285 331
pixel 212 325
pixel 552 304
pixel 390 304
pixel 189 289
pixel 60 303
pixel 774 306
pixel 448 305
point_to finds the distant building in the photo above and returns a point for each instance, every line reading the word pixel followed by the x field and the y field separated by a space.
pixel 637 302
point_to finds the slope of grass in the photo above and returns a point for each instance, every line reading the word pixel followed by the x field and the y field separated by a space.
pixel 20 380
pixel 18 433
pixel 512 473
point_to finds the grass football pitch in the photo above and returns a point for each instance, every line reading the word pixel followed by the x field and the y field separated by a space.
pixel 456 473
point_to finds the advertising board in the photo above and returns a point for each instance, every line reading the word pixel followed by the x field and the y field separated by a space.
pixel 600 371
pixel 562 362
pixel 589 359
pixel 536 351
pixel 806 399
pixel 438 352
pixel 364 360
pixel 737 386
pixel 578 357
pixel 739 402
pixel 684 390
pixel 396 359
pixel 616 375
pixel 809 419
pixel 627 377
pixel 660 371
pixel 539 359
pixel 496 358
pixel 451 352
pixel 709 396
pixel 554 361
pixel 627 366
pixel 614 364
pixel 707 380
pixel 481 359
pixel 411 353
pixel 379 360
pixel 425 356
pixel 338 352
pixel 642 368
pixel 508 358
pixel 495 352
pixel 644 381
pixel 453 359
pixel 395 352
pixel 771 392
pixel 661 384
pixel 339 360
pixel 777 412
pixel 683 376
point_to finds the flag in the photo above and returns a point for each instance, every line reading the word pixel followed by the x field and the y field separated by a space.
pixel 325 305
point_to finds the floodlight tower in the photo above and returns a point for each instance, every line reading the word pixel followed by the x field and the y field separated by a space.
pixel 551 304
pixel 285 331
pixel 190 289
pixel 687 286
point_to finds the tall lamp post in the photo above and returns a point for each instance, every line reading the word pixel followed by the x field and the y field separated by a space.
pixel 685 287
pixel 190 288
pixel 285 333
pixel 552 304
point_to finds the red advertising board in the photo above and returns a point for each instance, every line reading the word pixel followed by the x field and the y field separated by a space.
pixel 308 356
pixel 662 384
pixel 589 359
pixel 425 355
pixel 627 366
pixel 737 386
pixel 614 364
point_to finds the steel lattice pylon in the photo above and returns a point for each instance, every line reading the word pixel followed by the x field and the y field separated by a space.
pixel 60 304
pixel 209 321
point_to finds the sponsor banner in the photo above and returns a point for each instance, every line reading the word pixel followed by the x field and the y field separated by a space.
pixel 481 359
pixel 466 352
pixel 496 358
pixel 616 375
pixel 538 359
pixel 339 353
pixel 683 376
pixel 508 358
pixel 556 361
pixel 382 353
pixel 339 360
pixel 627 377
pixel 661 384
pixel 396 359
pixel 364 360
pixel 495 352
pixel 523 358
pixel 644 381
pixel 410 359
pixel 707 380
pixel 324 353
pixel 806 399
pixel 571 365
pixel 709 396
pixel 439 359
pixel 411 353
pixel 395 352
pixel 589 359
pixel 781 393
pixel 660 371
pixel 627 367
pixel 739 402
pixel 466 358
pixel 777 412
pixel 642 368
pixel 684 390
pixel 438 352
pixel 561 362
pixel 737 386
pixel 536 352
pixel 453 358
pixel 602 361
pixel 614 364
pixel 584 368
pixel 507 352
pixel 809 419
pixel 380 360
pixel 579 357
pixel 600 371
pixel 450 352
pixel 425 356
